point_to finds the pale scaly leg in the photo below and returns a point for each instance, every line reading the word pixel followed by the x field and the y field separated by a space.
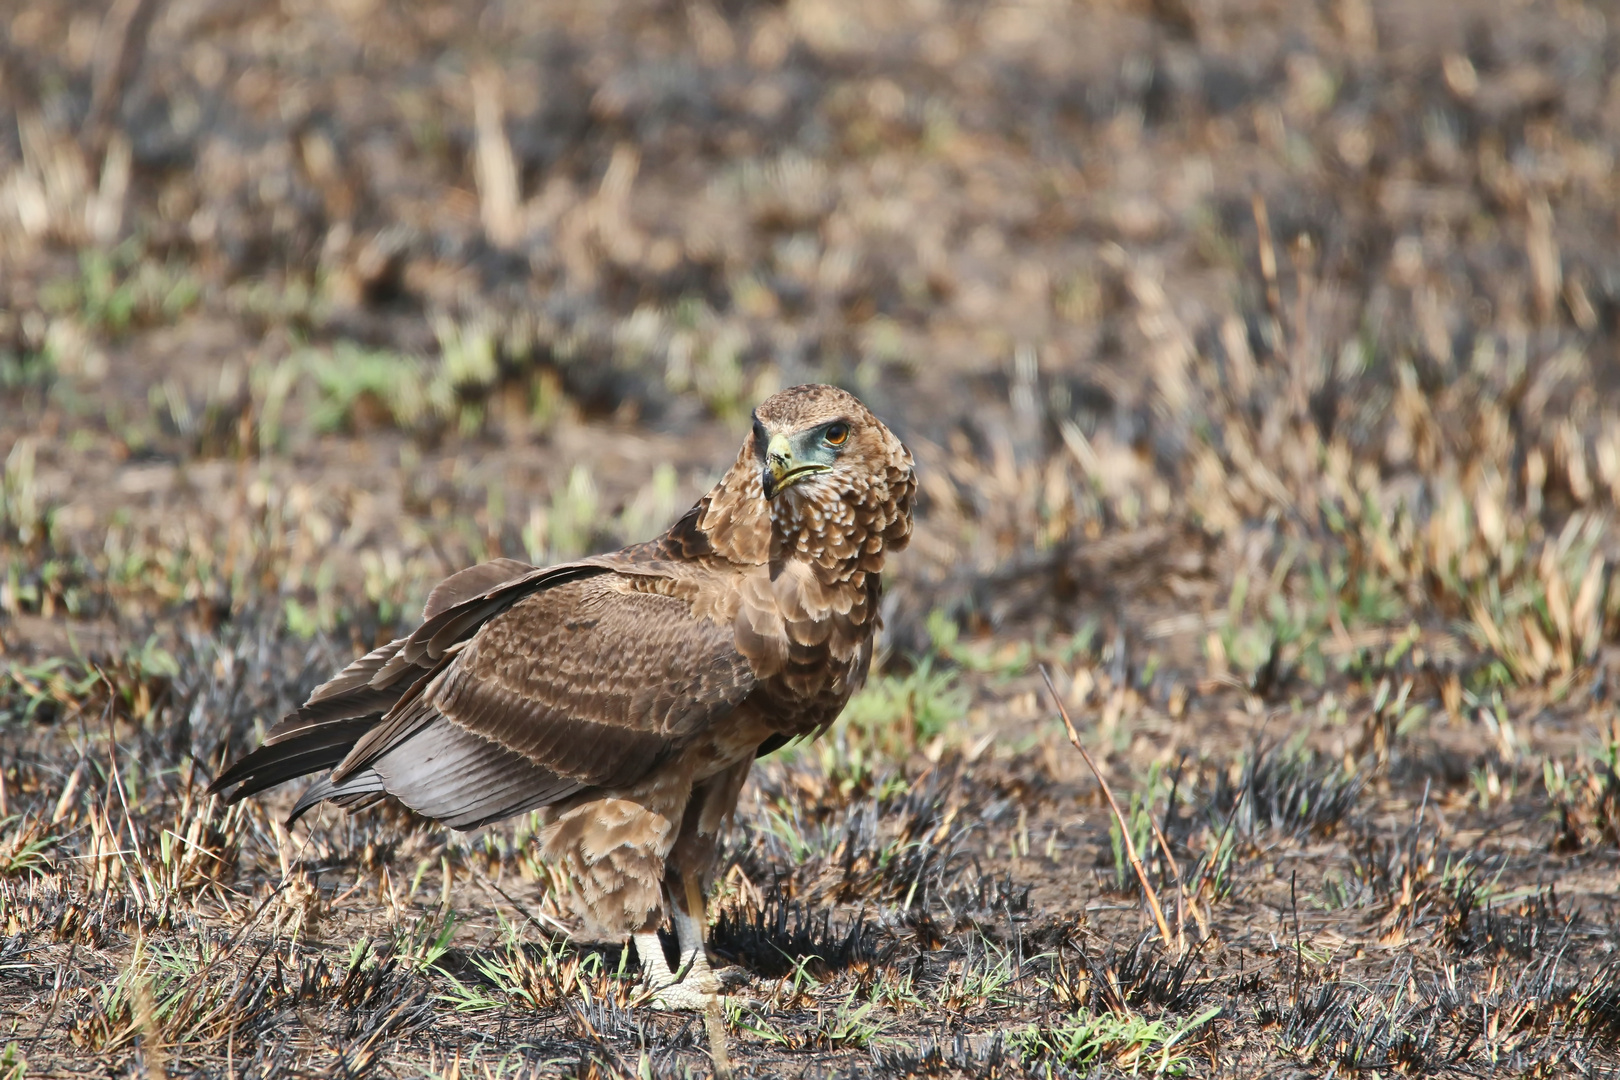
pixel 692 930
pixel 692 935
pixel 692 985
pixel 689 870
pixel 654 966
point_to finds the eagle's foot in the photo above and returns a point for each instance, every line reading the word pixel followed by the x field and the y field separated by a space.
pixel 694 992
pixel 685 996
pixel 692 988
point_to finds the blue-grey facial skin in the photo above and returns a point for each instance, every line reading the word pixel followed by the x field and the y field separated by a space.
pixel 787 459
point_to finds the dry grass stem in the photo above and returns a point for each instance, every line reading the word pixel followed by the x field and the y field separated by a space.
pixel 1178 941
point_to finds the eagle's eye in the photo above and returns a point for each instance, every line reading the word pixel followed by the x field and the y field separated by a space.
pixel 836 434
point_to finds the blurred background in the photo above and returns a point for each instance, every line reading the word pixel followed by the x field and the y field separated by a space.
pixel 305 305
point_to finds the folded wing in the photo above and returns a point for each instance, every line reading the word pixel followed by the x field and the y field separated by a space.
pixel 521 687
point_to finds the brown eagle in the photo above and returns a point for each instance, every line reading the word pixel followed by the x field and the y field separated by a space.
pixel 628 694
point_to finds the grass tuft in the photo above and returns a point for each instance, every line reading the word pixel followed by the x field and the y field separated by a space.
pixel 1297 794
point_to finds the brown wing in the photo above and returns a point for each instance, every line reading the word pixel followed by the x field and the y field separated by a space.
pixel 345 708
pixel 473 582
pixel 594 680
pixel 588 682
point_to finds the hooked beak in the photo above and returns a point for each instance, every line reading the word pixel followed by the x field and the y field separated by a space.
pixel 782 469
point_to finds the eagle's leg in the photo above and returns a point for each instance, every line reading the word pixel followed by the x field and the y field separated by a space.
pixel 693 985
pixel 689 873
pixel 654 965
pixel 687 870
pixel 691 930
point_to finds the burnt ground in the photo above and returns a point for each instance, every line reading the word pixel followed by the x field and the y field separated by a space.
pixel 1260 361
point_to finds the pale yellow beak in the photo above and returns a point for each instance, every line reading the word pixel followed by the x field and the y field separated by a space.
pixel 783 469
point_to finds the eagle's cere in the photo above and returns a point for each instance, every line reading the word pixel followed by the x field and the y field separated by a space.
pixel 628 694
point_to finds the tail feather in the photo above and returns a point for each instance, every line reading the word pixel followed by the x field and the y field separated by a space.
pixel 319 747
pixel 364 788
pixel 363 702
pixel 357 674
pixel 321 733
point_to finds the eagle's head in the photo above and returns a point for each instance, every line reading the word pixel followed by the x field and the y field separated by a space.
pixel 819 439
pixel 827 479
pixel 838 482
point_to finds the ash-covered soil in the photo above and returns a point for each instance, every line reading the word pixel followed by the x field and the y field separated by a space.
pixel 1261 365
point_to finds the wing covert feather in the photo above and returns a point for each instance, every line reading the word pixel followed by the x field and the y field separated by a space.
pixel 467 612
pixel 474 581
pixel 594 680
